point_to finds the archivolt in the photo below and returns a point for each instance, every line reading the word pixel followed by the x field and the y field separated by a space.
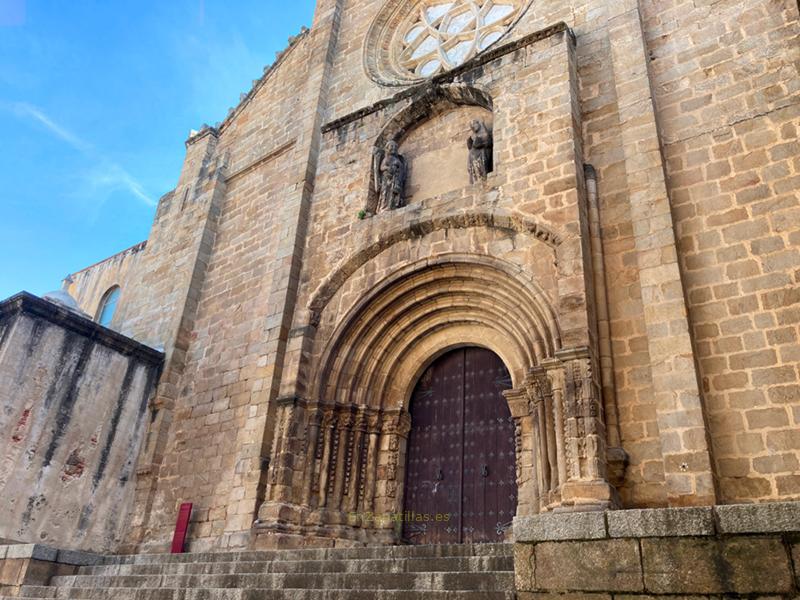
pixel 425 309
pixel 430 101
pixel 497 219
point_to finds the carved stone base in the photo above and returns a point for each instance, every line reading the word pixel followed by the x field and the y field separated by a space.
pixel 582 496
pixel 290 526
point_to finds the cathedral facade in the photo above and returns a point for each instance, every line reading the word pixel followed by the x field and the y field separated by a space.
pixel 451 263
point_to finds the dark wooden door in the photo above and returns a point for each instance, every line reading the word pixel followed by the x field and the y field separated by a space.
pixel 461 463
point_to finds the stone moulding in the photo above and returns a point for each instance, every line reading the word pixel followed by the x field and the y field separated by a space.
pixel 29 304
pixel 509 221
pixel 450 76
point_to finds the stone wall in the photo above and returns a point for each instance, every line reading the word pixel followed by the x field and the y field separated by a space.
pixel 727 91
pixel 673 285
pixel 229 350
pixel 35 564
pixel 75 405
pixel 89 286
pixel 736 551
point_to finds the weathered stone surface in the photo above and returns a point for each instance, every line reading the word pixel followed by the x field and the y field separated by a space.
pixel 661 522
pixel 524 567
pixel 602 565
pixel 32 551
pixel 778 517
pixel 650 597
pixel 568 596
pixel 75 397
pixel 560 526
pixel 261 281
pixel 713 566
pixel 415 573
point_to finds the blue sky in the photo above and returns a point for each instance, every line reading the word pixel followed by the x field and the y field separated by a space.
pixel 96 101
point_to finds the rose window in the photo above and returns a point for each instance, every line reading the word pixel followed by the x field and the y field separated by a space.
pixel 446 35
pixel 410 41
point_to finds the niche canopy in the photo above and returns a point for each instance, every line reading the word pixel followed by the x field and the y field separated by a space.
pixel 412 41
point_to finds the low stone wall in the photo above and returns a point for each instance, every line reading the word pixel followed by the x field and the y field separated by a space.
pixel 74 398
pixel 741 551
pixel 33 564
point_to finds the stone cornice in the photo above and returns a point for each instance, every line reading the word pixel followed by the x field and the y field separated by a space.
pixel 450 76
pixel 30 305
pixel 132 250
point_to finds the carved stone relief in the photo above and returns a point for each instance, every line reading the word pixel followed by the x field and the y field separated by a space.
pixel 479 144
pixel 390 171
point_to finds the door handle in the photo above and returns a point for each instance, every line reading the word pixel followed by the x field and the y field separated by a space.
pixel 440 475
pixel 485 470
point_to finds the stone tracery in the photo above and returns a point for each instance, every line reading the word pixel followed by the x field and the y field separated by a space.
pixel 414 40
pixel 445 35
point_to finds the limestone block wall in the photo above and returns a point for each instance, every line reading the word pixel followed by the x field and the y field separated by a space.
pixel 601 140
pixel 239 297
pixel 688 112
pixel 74 400
pixel 727 88
pixel 734 551
pixel 709 74
pixel 540 189
pixel 90 285
pixel 528 220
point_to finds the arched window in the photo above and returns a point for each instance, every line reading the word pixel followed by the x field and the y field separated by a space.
pixel 108 306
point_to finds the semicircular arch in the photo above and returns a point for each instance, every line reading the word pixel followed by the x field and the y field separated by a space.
pixel 424 309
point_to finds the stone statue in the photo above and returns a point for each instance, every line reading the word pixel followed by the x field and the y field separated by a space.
pixel 390 176
pixel 480 151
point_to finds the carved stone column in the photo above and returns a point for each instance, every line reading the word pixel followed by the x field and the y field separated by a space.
pixel 368 481
pixel 568 431
pixel 356 457
pixel 323 454
pixel 312 448
pixel 341 458
pixel 394 434
pixel 290 414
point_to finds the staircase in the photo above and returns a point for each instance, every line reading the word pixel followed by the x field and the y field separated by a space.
pixel 463 572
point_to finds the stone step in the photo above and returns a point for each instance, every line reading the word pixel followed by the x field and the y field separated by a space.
pixel 418 581
pixel 41 593
pixel 467 564
pixel 367 552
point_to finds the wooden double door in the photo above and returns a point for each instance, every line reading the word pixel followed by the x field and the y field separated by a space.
pixel 461 464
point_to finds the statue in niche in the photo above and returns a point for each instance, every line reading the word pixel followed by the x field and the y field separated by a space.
pixel 480 151
pixel 390 176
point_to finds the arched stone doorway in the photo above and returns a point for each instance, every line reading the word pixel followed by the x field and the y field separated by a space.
pixel 461 479
pixel 340 441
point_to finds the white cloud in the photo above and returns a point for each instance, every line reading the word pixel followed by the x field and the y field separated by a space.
pixel 104 174
pixel 23 109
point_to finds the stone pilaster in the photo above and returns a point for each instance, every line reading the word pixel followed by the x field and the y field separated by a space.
pixel 680 413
